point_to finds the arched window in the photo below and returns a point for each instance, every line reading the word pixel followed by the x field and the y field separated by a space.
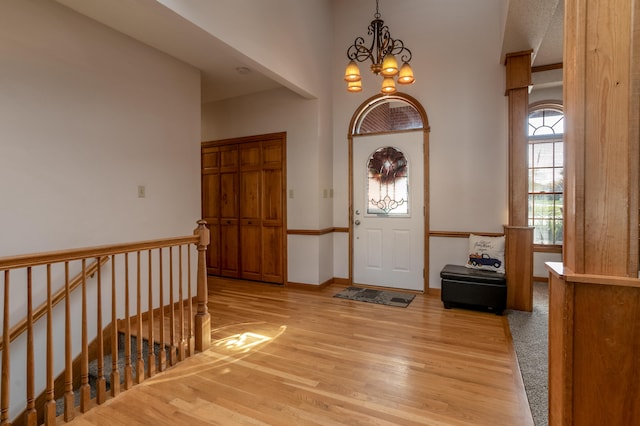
pixel 388 114
pixel 546 173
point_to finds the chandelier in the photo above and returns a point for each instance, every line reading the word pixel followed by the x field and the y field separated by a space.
pixel 381 53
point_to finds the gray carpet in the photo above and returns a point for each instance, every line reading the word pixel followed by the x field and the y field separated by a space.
pixel 93 368
pixel 381 297
pixel 530 339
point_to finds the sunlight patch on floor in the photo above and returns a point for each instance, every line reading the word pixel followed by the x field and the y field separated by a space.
pixel 242 342
pixel 226 351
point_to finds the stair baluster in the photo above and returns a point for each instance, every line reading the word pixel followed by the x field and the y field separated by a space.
pixel 68 356
pixel 4 398
pixel 85 389
pixel 162 354
pixel 128 369
pixel 101 392
pixel 50 404
pixel 140 360
pixel 172 317
pixel 31 406
pixel 190 306
pixel 151 362
pixel 115 372
pixel 180 307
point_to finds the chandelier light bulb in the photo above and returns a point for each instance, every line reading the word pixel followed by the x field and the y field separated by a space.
pixel 389 66
pixel 388 85
pixel 405 75
pixel 354 86
pixel 352 73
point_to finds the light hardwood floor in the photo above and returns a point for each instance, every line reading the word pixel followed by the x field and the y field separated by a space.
pixel 288 356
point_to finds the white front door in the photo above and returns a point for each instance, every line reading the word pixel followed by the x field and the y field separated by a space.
pixel 388 210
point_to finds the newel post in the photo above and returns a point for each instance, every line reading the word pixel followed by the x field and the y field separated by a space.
pixel 202 322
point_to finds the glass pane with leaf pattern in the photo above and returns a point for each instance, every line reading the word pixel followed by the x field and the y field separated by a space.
pixel 388 183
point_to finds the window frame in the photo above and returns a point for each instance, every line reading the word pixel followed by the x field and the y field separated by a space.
pixel 553 138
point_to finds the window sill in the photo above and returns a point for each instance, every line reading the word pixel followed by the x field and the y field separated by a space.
pixel 547 248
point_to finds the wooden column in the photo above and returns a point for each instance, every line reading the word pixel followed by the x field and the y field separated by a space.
pixel 519 267
pixel 594 342
pixel 518 80
pixel 594 298
pixel 601 137
pixel 519 236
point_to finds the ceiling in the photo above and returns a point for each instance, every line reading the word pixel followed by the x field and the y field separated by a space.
pixel 530 24
pixel 537 25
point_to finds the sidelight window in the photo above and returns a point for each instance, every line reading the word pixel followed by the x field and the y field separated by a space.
pixel 546 174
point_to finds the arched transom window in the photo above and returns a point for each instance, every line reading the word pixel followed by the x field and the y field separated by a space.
pixel 388 114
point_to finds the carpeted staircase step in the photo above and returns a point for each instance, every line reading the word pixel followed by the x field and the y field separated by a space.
pixel 107 367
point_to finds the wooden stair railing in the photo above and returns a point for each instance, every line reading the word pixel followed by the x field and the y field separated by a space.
pixel 21 271
pixel 41 310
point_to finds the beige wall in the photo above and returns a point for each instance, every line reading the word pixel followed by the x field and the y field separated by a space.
pixel 87 115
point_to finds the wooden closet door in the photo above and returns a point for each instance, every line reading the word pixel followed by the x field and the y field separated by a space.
pixel 211 206
pixel 229 212
pixel 250 218
pixel 243 200
pixel 272 211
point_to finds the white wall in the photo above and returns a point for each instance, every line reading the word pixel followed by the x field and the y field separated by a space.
pixel 539 259
pixel 273 111
pixel 460 82
pixel 546 94
pixel 87 115
pixel 276 111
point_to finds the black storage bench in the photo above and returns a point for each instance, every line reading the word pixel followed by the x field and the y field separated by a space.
pixel 473 288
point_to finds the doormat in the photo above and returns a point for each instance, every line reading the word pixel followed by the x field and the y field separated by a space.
pixel 381 297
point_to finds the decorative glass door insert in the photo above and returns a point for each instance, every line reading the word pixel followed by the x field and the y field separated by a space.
pixel 387 183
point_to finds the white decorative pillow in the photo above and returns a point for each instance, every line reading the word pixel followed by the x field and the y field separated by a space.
pixel 486 253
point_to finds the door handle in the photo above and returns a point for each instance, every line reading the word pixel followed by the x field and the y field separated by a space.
pixel 357 222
